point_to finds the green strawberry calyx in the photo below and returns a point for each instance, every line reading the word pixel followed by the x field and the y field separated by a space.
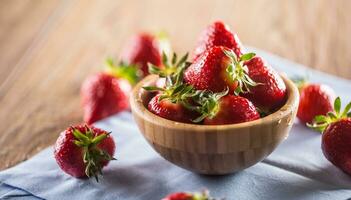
pixel 321 122
pixel 238 71
pixel 123 70
pixel 299 81
pixel 174 90
pixel 92 155
pixel 170 67
pixel 208 104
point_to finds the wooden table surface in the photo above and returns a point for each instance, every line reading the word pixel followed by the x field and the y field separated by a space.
pixel 47 47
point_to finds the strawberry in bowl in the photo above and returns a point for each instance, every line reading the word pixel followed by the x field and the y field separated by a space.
pixel 224 112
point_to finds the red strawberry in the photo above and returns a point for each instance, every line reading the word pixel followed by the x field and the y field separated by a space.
pixel 82 151
pixel 142 49
pixel 336 138
pixel 173 111
pixel 173 96
pixel 179 196
pixel 315 99
pixel 218 34
pixel 217 109
pixel 270 92
pixel 189 196
pixel 219 68
pixel 104 95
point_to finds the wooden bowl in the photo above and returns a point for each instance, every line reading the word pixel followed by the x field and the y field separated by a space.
pixel 213 149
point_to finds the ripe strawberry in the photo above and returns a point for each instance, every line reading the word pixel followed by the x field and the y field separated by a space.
pixel 270 92
pixel 315 99
pixel 336 138
pixel 217 109
pixel 173 97
pixel 219 68
pixel 142 49
pixel 179 196
pixel 189 196
pixel 218 34
pixel 104 95
pixel 82 151
pixel 175 111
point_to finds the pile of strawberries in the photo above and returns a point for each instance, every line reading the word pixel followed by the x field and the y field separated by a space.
pixel 221 85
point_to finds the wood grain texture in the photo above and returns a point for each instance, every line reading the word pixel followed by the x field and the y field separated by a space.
pixel 209 149
pixel 48 47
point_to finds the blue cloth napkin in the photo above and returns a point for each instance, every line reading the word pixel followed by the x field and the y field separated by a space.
pixel 297 169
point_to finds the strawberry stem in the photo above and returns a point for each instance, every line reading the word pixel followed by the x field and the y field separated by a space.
pixel 238 71
pixel 208 104
pixel 321 122
pixel 169 68
pixel 300 81
pixel 175 90
pixel 126 71
pixel 92 155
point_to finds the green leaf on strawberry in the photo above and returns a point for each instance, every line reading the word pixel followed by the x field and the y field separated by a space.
pixel 122 70
pixel 239 72
pixel 92 155
pixel 321 122
pixel 169 68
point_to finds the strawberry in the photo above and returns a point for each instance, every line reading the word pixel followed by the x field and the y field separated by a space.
pixel 219 108
pixel 175 111
pixel 218 34
pixel 219 68
pixel 82 151
pixel 142 49
pixel 173 100
pixel 270 92
pixel 179 196
pixel 315 99
pixel 189 196
pixel 104 95
pixel 336 137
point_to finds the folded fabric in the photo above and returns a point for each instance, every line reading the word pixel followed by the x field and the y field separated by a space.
pixel 297 169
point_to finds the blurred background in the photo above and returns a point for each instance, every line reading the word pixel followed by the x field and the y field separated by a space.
pixel 47 47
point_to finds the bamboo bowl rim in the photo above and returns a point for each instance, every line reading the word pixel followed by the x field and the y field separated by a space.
pixel 137 107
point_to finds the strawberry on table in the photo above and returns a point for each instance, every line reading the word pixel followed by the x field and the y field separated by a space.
pixel 270 92
pixel 336 135
pixel 144 48
pixel 218 34
pixel 179 196
pixel 104 95
pixel 315 99
pixel 189 196
pixel 219 68
pixel 82 151
pixel 220 108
